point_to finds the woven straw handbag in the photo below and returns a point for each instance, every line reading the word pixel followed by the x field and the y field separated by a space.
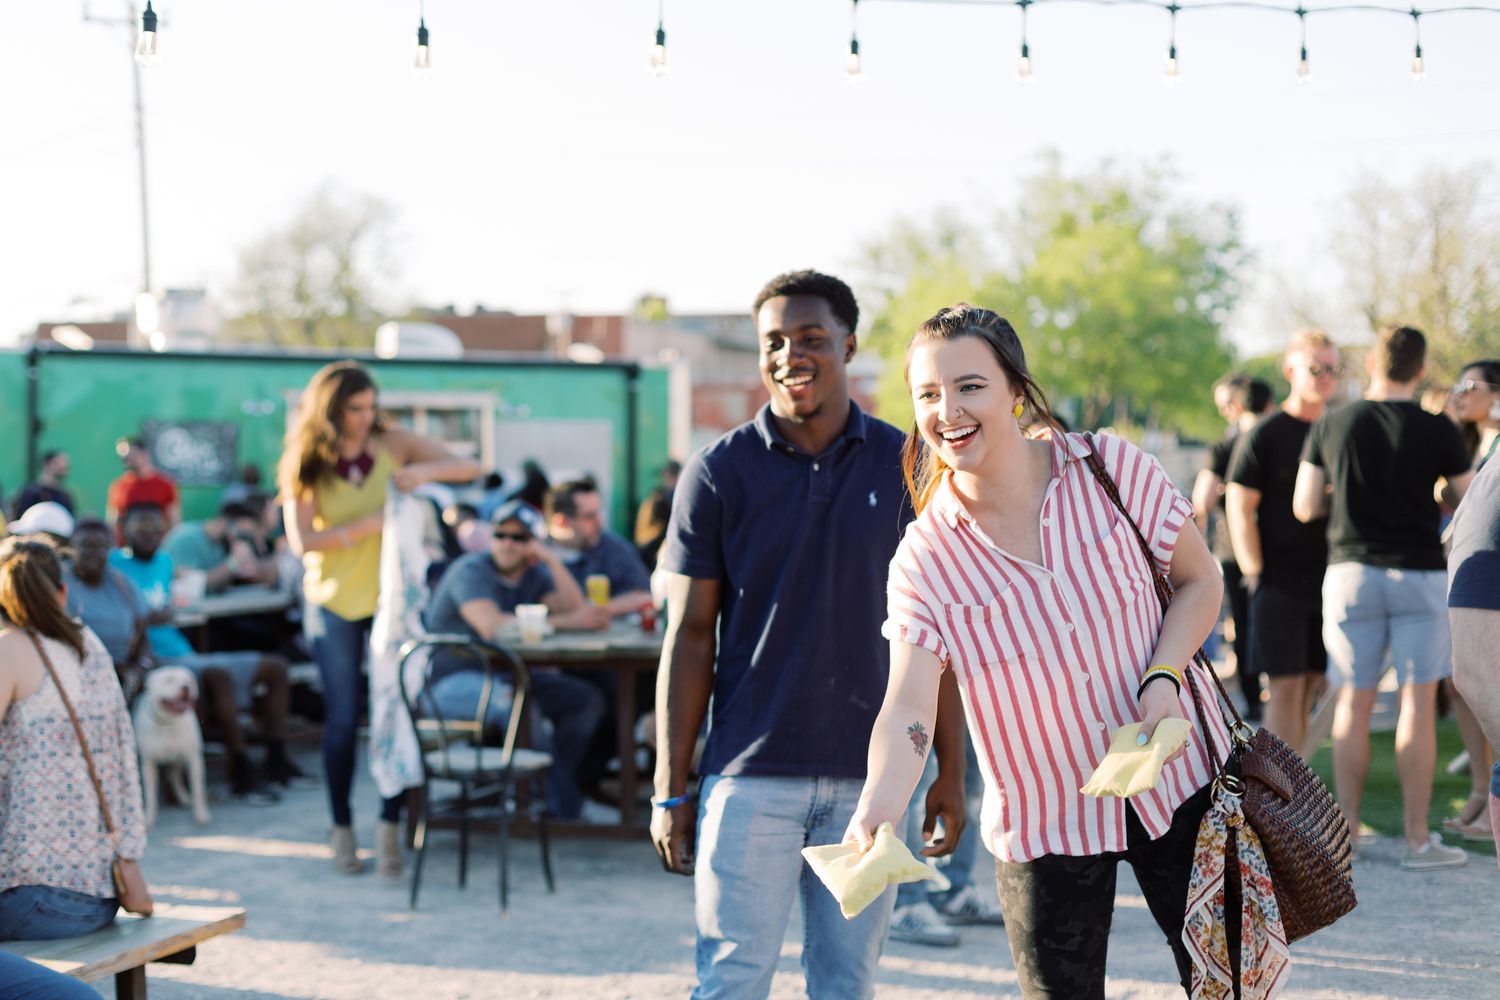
pixel 1300 826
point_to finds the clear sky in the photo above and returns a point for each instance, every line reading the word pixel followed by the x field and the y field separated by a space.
pixel 541 168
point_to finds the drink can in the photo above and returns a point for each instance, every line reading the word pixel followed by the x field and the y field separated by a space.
pixel 648 617
pixel 597 586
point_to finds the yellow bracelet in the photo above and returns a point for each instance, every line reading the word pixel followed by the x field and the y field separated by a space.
pixel 1158 668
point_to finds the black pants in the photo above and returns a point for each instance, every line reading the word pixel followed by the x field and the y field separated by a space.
pixel 1239 613
pixel 1058 909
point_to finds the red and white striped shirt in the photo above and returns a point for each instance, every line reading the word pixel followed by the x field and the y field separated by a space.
pixel 1048 657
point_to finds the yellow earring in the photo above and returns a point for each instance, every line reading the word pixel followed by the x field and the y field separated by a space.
pixel 1017 410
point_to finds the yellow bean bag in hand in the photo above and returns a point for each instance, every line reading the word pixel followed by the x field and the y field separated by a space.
pixel 855 879
pixel 1129 769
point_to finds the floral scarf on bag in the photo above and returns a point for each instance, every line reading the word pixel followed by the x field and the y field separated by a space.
pixel 1264 955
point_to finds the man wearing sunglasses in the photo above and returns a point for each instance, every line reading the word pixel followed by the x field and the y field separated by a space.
pixel 478 596
pixel 1281 559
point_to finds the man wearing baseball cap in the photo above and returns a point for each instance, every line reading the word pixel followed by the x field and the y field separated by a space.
pixel 478 596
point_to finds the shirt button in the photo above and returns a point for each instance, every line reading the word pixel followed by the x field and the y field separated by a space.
pixel 1102 727
pixel 1046 522
pixel 1068 626
pixel 816 466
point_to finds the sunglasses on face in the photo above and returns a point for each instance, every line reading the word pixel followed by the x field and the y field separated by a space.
pixel 1317 371
pixel 518 537
pixel 1468 385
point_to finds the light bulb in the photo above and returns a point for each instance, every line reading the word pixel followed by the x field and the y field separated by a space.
pixel 1024 74
pixel 853 72
pixel 659 53
pixel 145 43
pixel 1417 72
pixel 424 51
pixel 1304 68
pixel 1172 76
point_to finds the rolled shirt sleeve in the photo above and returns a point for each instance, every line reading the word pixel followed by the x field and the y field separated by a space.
pixel 912 610
pixel 1155 504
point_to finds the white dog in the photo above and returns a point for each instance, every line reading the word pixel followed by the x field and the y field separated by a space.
pixel 167 734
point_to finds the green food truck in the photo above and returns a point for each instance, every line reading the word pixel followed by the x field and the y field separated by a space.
pixel 206 415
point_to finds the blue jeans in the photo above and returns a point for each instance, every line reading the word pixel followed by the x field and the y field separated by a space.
pixel 911 893
pixel 340 652
pixel 23 980
pixel 959 866
pixel 44 912
pixel 572 707
pixel 749 869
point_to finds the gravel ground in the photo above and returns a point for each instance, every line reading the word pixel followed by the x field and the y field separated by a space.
pixel 618 927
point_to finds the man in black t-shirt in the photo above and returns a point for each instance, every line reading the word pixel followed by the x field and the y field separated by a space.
pixel 1372 469
pixel 1474 610
pixel 1241 401
pixel 1280 558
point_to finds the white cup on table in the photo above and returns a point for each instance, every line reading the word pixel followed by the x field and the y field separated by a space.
pixel 532 619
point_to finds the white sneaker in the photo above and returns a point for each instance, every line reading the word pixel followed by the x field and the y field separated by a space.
pixel 920 924
pixel 1433 854
pixel 967 906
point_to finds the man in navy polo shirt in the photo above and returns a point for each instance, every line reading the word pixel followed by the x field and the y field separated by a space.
pixel 781 535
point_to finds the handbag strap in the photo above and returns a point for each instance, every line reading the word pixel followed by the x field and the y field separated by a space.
pixel 88 758
pixel 1163 588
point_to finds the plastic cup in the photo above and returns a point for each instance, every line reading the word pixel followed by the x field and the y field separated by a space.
pixel 189 588
pixel 532 619
pixel 597 585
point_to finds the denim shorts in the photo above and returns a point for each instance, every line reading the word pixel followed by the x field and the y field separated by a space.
pixel 45 912
pixel 1372 611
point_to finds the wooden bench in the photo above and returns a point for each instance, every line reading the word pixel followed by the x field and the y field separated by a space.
pixel 171 935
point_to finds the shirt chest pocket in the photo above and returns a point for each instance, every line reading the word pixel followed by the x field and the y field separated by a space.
pixel 1119 571
pixel 983 636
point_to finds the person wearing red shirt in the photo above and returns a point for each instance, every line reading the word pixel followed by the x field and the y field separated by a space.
pixel 141 482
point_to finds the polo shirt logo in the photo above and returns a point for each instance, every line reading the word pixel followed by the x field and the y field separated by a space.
pixel 872 498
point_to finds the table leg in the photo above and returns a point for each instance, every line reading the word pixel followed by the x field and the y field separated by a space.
pixel 131 984
pixel 625 734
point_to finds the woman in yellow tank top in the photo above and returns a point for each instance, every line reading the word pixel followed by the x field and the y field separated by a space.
pixel 340 456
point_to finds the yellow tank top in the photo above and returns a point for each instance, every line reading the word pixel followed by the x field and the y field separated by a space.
pixel 346 580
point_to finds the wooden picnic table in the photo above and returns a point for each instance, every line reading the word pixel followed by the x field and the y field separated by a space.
pixel 624 649
pixel 172 934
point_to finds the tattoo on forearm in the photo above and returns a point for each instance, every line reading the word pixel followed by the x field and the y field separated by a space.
pixel 917 733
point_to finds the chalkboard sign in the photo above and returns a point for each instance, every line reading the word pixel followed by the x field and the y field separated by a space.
pixel 193 452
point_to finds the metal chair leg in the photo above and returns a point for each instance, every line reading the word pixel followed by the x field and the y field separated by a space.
pixel 463 833
pixel 505 798
pixel 420 842
pixel 546 845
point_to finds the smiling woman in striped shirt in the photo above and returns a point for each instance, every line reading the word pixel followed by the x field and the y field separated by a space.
pixel 1021 576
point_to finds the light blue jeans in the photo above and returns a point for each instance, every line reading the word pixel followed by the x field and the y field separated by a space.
pixel 749 868
pixel 958 866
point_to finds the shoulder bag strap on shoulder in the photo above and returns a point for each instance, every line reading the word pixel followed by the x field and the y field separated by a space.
pixel 88 758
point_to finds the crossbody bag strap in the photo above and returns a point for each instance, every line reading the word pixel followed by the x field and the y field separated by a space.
pixel 88 758
pixel 1163 588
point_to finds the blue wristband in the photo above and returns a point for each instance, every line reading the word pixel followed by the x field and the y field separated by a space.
pixel 674 801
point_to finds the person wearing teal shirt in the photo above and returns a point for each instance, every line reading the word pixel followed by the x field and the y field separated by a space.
pixel 226 680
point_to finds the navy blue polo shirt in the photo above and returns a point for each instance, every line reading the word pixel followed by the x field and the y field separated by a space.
pixel 801 545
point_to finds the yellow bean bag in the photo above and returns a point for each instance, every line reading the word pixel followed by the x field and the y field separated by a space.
pixel 855 879
pixel 1129 769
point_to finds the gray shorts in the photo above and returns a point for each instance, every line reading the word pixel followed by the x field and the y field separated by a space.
pixel 240 667
pixel 1368 610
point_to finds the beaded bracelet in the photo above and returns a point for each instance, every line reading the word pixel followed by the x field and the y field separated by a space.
pixel 1160 670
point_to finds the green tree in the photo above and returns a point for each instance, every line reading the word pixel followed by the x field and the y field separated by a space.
pixel 317 280
pixel 1427 254
pixel 1118 289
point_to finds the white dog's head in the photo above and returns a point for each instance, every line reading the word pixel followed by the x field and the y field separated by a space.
pixel 172 690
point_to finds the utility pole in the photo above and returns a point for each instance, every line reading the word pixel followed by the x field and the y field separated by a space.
pixel 131 23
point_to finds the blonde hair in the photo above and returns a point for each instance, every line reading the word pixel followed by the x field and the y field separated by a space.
pixel 1309 339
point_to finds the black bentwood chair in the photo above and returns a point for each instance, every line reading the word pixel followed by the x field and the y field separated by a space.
pixel 454 750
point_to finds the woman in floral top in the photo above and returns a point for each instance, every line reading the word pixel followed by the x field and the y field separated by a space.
pixel 55 850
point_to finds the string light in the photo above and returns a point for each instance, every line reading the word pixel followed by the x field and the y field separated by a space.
pixel 1304 68
pixel 659 50
pixel 1024 75
pixel 1417 72
pixel 145 42
pixel 852 70
pixel 1172 77
pixel 424 51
